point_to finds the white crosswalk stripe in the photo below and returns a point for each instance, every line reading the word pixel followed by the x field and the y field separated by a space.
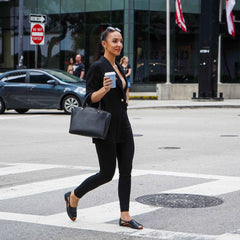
pixel 96 218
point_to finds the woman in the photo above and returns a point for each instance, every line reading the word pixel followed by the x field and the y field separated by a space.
pixel 119 142
pixel 127 71
pixel 70 66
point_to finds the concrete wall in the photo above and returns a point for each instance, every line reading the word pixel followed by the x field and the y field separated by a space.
pixel 185 91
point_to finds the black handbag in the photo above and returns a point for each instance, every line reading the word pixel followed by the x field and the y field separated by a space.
pixel 89 121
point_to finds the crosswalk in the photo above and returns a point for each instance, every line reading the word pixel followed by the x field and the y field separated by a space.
pixel 98 218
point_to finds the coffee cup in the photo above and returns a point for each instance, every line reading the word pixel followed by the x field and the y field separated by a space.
pixel 111 75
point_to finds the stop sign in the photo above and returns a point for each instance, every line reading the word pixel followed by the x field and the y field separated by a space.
pixel 37 34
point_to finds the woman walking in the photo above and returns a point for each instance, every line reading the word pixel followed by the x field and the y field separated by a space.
pixel 127 71
pixel 119 142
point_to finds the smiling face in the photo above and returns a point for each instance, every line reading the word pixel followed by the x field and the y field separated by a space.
pixel 113 43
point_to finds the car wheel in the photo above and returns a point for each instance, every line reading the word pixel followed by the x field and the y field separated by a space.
pixel 21 110
pixel 2 106
pixel 70 102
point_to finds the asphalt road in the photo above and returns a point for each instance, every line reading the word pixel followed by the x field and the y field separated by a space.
pixel 178 151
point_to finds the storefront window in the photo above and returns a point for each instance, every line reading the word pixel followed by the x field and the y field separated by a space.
pixel 150 47
pixel 7 25
pixel 230 67
pixel 74 41
pixel 185 47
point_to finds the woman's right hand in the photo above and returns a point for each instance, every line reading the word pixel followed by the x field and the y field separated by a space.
pixel 107 83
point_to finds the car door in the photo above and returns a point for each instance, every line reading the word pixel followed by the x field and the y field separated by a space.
pixel 15 90
pixel 42 94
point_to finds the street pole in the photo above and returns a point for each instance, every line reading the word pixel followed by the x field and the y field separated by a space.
pixel 20 35
pixel 208 52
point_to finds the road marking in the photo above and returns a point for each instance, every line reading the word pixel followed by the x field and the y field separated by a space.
pixel 103 213
pixel 135 171
pixel 102 227
pixel 13 168
pixel 46 186
pixel 23 168
pixel 221 185
pixel 215 188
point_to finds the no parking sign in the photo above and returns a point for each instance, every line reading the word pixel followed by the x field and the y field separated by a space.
pixel 37 33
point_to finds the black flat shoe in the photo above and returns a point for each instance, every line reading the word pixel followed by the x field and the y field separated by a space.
pixel 71 211
pixel 132 224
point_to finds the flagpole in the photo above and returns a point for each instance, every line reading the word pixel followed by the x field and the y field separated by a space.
pixel 219 45
pixel 168 41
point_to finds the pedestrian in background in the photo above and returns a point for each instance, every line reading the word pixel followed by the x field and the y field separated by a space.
pixel 78 67
pixel 119 143
pixel 70 66
pixel 127 71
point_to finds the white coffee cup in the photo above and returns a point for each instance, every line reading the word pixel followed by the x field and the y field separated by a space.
pixel 111 75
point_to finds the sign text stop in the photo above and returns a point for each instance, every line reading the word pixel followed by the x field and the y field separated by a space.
pixel 37 34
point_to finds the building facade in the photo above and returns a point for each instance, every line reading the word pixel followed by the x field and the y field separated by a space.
pixel 74 26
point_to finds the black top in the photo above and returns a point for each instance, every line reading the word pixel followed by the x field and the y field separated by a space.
pixel 126 69
pixel 114 101
pixel 78 68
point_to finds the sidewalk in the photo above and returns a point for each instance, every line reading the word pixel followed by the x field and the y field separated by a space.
pixel 140 104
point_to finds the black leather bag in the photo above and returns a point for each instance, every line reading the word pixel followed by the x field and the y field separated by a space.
pixel 89 121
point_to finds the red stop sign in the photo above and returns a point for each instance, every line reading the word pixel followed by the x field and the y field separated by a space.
pixel 37 33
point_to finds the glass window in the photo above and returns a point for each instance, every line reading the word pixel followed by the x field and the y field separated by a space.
pixel 74 39
pixel 16 77
pixel 7 21
pixel 49 55
pixel 158 5
pixel 72 6
pixel 141 4
pixel 230 57
pixel 93 30
pixel 185 54
pixel 150 47
pixel 117 5
pixel 96 5
pixel 1 46
pixel 48 7
pixel 30 7
pixel 65 77
pixel 38 77
pixel 188 6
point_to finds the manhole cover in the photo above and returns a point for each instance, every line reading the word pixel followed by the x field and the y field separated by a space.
pixel 137 135
pixel 229 135
pixel 169 148
pixel 179 200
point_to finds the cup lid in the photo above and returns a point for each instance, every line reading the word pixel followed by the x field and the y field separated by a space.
pixel 109 73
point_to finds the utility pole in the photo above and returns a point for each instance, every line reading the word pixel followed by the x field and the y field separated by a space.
pixel 208 52
pixel 20 35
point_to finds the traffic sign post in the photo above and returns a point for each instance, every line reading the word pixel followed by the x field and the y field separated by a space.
pixel 37 33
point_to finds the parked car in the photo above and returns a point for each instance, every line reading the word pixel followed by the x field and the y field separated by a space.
pixel 40 89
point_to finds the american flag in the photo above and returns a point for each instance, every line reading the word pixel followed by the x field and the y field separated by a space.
pixel 179 16
pixel 229 15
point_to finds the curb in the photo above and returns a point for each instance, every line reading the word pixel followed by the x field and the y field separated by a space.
pixel 143 97
pixel 184 107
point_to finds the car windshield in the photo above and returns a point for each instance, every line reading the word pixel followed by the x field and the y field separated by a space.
pixel 65 77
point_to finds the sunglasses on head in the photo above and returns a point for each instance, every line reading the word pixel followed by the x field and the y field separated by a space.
pixel 113 29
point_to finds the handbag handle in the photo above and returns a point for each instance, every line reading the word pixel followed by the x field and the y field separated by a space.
pixel 85 102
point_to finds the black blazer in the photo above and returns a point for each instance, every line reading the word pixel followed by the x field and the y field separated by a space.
pixel 114 101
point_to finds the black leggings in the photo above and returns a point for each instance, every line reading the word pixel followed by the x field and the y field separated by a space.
pixel 107 154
